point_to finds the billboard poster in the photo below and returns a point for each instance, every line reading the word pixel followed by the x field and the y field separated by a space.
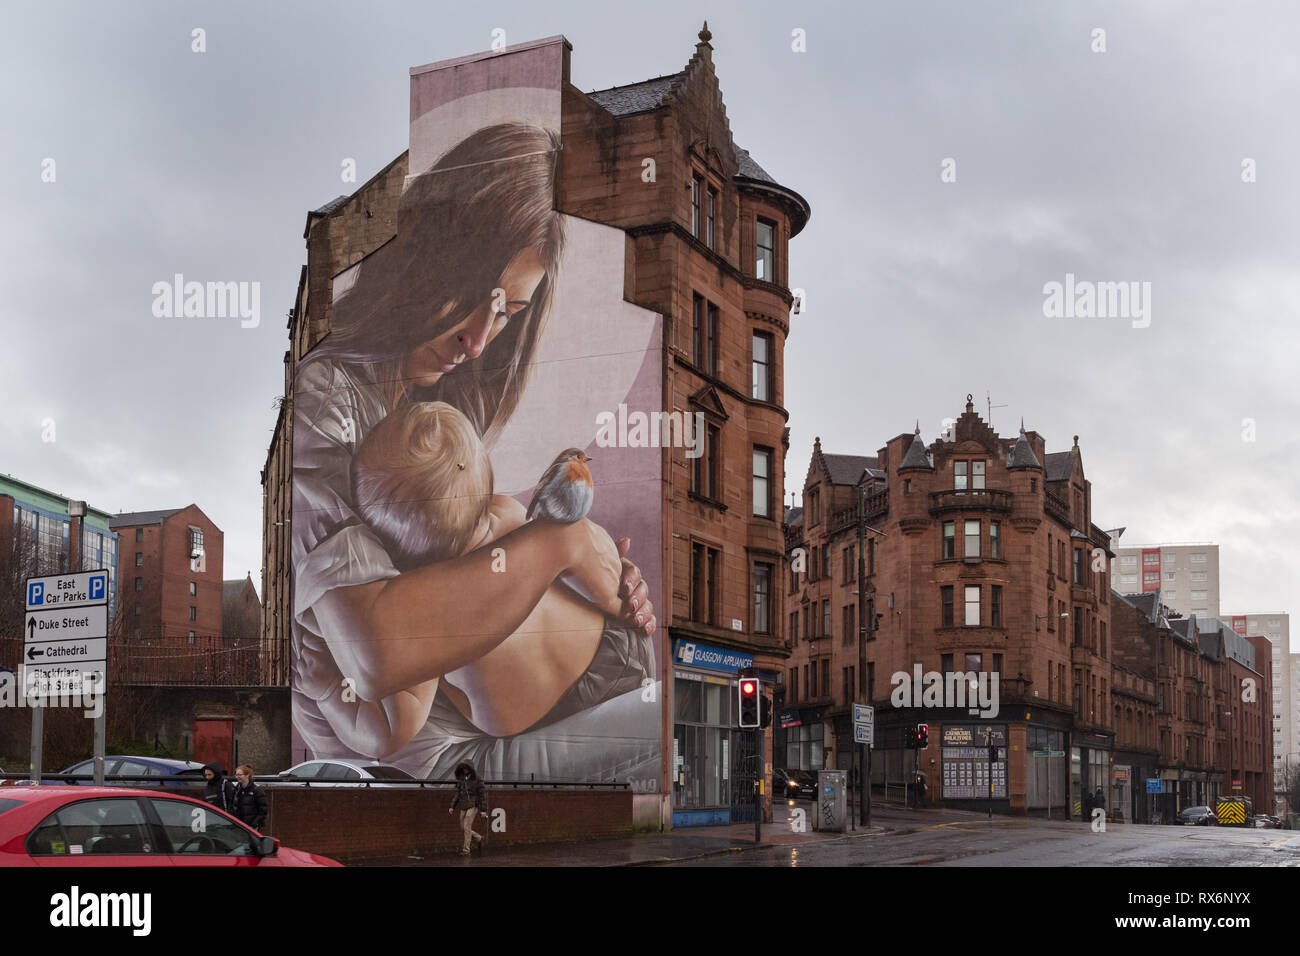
pixel 965 754
pixel 461 518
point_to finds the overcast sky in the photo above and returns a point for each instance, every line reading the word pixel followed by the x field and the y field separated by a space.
pixel 1117 166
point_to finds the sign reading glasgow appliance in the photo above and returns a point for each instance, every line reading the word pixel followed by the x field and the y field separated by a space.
pixel 711 658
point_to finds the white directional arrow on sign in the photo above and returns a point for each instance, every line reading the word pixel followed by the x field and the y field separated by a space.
pixel 66 624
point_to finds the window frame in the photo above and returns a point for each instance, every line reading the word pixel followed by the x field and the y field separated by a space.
pixel 759 259
pixel 762 595
pixel 967 604
pixel 760 453
pixel 761 371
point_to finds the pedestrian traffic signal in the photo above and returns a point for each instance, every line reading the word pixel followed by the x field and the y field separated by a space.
pixel 922 736
pixel 993 752
pixel 750 693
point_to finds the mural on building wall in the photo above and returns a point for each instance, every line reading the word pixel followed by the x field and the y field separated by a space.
pixel 456 522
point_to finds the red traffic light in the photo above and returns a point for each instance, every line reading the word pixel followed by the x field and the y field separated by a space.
pixel 747 687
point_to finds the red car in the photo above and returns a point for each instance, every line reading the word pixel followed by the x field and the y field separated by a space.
pixel 107 826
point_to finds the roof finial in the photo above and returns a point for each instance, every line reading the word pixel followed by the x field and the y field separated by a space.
pixel 970 402
pixel 918 427
pixel 705 35
pixel 1076 441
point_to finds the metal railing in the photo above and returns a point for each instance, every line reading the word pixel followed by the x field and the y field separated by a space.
pixel 208 661
pixel 175 781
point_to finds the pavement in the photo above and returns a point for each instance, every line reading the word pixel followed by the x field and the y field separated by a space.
pixel 673 846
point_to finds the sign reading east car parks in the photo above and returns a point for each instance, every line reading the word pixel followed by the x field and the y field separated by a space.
pixel 65 631
pixel 68 590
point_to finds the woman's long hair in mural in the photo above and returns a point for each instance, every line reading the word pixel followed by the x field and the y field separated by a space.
pixel 458 226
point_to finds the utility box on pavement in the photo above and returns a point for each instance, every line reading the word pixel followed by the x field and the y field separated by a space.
pixel 830 809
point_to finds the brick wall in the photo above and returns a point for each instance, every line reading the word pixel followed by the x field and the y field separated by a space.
pixel 358 823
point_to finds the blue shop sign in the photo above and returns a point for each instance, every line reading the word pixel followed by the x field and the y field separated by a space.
pixel 694 654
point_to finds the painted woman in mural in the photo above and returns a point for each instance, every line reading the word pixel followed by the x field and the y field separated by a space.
pixel 477 645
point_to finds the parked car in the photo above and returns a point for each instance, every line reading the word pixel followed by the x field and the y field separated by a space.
pixel 1266 821
pixel 1197 816
pixel 111 826
pixel 171 773
pixel 337 772
pixel 794 784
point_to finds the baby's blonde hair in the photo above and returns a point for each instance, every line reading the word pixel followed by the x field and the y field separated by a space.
pixel 422 481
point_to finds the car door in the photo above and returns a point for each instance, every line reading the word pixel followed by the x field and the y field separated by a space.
pixel 203 836
pixel 106 831
pixel 306 772
pixel 339 771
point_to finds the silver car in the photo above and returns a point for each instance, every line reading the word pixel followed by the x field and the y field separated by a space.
pixel 337 772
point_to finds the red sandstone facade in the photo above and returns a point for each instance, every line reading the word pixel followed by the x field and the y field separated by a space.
pixel 707 236
pixel 982 558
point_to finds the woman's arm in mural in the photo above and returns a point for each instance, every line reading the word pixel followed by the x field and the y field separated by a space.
pixel 391 635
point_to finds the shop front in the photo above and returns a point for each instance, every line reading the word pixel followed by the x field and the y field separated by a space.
pixel 714 763
pixel 1090 767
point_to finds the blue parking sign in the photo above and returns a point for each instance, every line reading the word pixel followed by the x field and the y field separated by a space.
pixel 97 588
pixel 36 592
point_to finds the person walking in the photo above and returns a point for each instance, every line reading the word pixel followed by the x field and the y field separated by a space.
pixel 219 790
pixel 1099 800
pixel 470 800
pixel 250 799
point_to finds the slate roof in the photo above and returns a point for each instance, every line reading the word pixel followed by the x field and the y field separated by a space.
pixel 330 206
pixel 794 517
pixel 916 456
pixel 1180 626
pixel 848 469
pixel 129 519
pixel 649 95
pixel 1022 456
pixel 1059 465
pixel 636 97
pixel 750 169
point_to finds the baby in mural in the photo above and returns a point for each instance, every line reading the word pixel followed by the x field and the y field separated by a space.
pixel 422 481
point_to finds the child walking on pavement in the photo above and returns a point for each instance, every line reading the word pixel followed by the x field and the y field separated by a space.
pixel 470 800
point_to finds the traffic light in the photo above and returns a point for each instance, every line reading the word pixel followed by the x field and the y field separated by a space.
pixel 993 752
pixel 922 736
pixel 750 693
pixel 764 711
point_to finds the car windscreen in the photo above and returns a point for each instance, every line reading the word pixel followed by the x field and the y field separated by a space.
pixel 387 773
pixel 9 804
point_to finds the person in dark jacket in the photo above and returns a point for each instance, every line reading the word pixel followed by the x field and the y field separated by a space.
pixel 250 799
pixel 219 789
pixel 470 800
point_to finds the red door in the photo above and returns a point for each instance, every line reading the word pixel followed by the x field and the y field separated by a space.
pixel 215 740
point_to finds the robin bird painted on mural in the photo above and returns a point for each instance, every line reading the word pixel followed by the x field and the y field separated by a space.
pixel 565 492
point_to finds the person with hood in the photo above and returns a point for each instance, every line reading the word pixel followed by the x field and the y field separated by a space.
pixel 219 789
pixel 250 799
pixel 470 800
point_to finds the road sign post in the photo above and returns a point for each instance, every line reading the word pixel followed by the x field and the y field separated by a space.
pixel 65 651
pixel 864 733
